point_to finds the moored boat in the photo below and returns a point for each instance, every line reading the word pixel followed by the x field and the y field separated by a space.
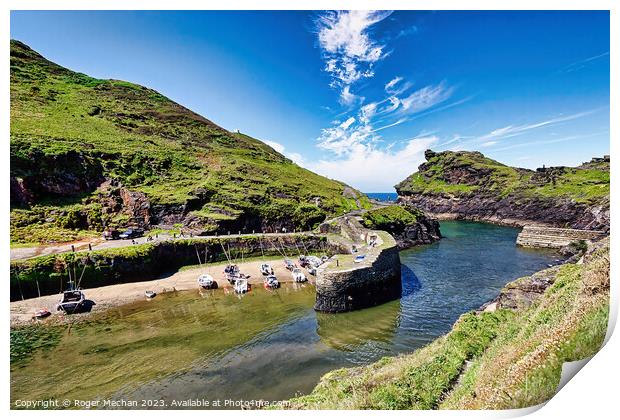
pixel 271 282
pixel 266 269
pixel 289 265
pixel 241 285
pixel 298 276
pixel 206 281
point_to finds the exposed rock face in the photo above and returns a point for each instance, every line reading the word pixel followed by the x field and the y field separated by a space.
pixel 424 231
pixel 36 176
pixel 407 224
pixel 138 206
pixel 467 185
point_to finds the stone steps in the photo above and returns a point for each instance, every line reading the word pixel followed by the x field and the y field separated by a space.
pixel 549 237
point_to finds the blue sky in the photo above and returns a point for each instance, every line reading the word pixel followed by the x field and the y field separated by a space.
pixel 358 96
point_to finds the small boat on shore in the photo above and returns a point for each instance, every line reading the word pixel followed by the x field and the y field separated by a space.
pixel 359 258
pixel 241 285
pixel 72 300
pixel 266 269
pixel 312 271
pixel 298 276
pixel 314 261
pixel 206 281
pixel 271 282
pixel 303 261
pixel 42 313
pixel 150 294
pixel 289 265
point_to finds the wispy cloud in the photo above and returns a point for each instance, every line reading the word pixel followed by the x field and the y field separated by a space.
pixel 425 98
pixel 552 141
pixel 395 87
pixel 497 138
pixel 498 135
pixel 348 49
pixel 578 65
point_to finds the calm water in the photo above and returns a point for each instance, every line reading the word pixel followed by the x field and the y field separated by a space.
pixel 271 345
pixel 384 196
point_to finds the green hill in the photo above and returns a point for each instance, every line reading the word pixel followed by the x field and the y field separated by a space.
pixel 471 186
pixel 88 153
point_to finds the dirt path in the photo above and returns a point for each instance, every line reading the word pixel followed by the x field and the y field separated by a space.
pixel 110 296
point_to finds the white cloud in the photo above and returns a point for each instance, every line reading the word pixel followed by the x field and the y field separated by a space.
pixel 390 85
pixel 348 98
pixel 275 146
pixel 279 147
pixel 394 87
pixel 348 48
pixel 425 98
pixel 372 169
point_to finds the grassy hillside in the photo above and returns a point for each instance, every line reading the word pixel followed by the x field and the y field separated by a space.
pixel 466 173
pixel 506 358
pixel 79 144
pixel 390 218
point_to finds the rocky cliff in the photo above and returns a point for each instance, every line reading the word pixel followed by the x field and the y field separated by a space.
pixel 408 225
pixel 468 185
pixel 90 153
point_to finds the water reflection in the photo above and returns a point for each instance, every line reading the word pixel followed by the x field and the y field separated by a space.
pixel 348 331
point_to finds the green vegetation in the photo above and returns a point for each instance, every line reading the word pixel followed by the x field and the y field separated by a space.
pixel 70 132
pixel 393 218
pixel 490 360
pixel 464 173
pixel 27 340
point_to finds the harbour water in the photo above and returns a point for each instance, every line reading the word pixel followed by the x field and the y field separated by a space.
pixel 271 345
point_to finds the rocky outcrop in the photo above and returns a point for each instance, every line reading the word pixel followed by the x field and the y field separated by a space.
pixel 424 231
pixel 467 185
pixel 407 224
pixel 36 176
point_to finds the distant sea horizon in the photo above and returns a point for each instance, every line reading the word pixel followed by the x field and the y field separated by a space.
pixel 382 196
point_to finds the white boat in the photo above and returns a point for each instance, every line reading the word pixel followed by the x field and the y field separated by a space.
pixel 150 294
pixel 298 276
pixel 312 271
pixel 241 285
pixel 231 272
pixel 266 269
pixel 72 300
pixel 206 282
pixel 271 282
pixel 314 261
pixel 289 264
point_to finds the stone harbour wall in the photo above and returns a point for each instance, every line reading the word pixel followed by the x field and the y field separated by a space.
pixel 375 281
